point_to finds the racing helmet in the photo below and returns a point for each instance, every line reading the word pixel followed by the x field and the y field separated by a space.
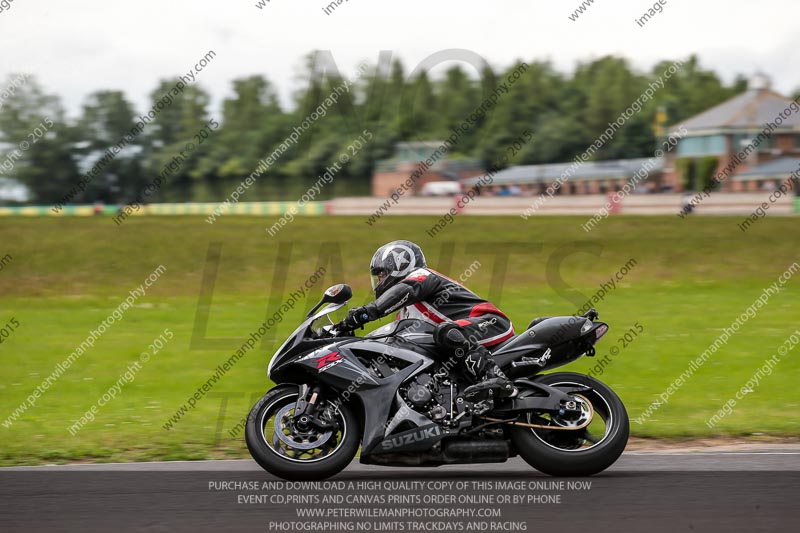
pixel 393 262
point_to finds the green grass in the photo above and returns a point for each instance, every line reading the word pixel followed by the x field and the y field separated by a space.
pixel 693 277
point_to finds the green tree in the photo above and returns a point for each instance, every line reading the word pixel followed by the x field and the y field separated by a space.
pixel 610 87
pixel 558 138
pixel 37 142
pixel 458 98
pixel 173 149
pixel 530 100
pixel 692 89
pixel 107 123
pixel 418 120
pixel 252 125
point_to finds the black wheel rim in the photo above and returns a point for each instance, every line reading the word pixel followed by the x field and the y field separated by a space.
pixel 288 442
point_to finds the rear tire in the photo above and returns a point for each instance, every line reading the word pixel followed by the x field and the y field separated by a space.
pixel 298 464
pixel 559 453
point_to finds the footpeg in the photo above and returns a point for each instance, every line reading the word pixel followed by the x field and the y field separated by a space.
pixel 526 362
pixel 503 387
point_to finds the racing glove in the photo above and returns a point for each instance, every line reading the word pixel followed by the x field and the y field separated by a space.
pixel 359 316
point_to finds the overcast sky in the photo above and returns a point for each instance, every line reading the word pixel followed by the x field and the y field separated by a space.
pixel 77 46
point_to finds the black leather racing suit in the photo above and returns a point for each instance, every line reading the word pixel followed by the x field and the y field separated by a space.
pixel 433 297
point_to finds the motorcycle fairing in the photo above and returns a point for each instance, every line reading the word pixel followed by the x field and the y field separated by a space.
pixel 376 394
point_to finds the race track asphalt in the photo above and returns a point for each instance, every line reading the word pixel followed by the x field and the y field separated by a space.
pixel 652 491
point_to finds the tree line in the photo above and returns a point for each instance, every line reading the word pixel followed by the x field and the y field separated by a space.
pixel 564 112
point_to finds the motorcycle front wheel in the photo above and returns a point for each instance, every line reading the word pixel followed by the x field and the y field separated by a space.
pixel 602 435
pixel 293 454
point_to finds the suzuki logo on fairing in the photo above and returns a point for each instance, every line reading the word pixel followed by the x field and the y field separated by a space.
pixel 328 360
pixel 405 440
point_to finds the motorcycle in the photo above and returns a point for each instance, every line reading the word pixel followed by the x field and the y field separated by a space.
pixel 391 393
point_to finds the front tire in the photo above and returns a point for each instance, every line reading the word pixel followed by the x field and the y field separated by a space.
pixel 581 452
pixel 291 454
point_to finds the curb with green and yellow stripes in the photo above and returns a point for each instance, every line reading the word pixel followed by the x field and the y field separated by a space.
pixel 241 208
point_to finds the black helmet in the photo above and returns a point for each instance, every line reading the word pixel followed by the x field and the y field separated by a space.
pixel 393 262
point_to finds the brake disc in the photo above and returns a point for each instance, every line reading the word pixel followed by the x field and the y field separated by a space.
pixel 295 439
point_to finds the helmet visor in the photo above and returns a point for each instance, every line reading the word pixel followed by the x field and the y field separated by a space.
pixel 377 276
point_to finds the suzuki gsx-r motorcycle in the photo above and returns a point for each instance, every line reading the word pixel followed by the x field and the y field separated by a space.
pixel 393 395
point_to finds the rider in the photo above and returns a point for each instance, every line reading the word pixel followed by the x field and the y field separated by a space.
pixel 403 282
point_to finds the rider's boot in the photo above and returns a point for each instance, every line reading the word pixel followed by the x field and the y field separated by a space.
pixel 478 363
pixel 488 376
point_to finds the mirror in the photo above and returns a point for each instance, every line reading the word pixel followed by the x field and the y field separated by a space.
pixel 338 294
pixel 335 294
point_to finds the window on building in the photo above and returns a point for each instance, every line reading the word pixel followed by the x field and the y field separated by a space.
pixel 741 140
pixel 702 145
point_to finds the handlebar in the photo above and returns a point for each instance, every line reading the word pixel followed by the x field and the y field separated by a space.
pixel 341 329
pixel 341 326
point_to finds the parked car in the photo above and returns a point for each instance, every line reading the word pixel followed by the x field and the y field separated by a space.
pixel 441 188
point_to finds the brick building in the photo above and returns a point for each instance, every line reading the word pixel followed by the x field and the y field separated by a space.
pixel 592 177
pixel 752 140
pixel 730 141
pixel 391 173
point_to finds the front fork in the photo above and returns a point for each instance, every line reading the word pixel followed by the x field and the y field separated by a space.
pixel 306 410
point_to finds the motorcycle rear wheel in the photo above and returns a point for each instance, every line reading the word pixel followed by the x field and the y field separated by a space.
pixel 582 452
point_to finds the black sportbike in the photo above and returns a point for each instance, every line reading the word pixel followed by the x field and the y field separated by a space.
pixel 391 393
